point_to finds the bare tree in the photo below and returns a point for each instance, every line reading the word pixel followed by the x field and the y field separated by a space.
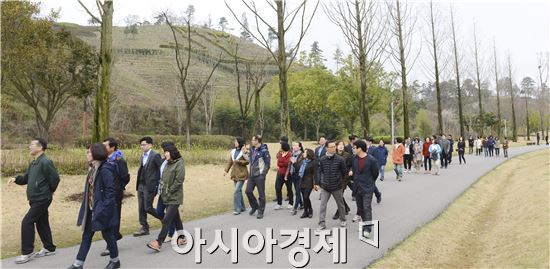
pixel 402 24
pixel 457 72
pixel 209 104
pixel 544 68
pixel 101 111
pixel 286 18
pixel 514 129
pixel 365 31
pixel 499 115
pixel 478 81
pixel 191 93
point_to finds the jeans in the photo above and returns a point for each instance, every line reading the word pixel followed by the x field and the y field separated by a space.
pixel 461 157
pixel 238 201
pixel 145 204
pixel 37 215
pixel 253 182
pixel 325 196
pixel 279 182
pixel 161 207
pixel 398 168
pixel 365 200
pixel 172 217
pixel 87 236
pixel 381 169
pixel 297 181
pixel 427 163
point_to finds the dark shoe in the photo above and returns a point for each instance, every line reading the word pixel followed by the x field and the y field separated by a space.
pixel 381 178
pixel 301 207
pixel 141 232
pixel 275 200
pixel 104 253
pixel 294 212
pixel 260 215
pixel 252 211
pixel 379 198
pixel 113 265
pixel 74 267
pixel 304 215
pixel 310 214
pixel 336 215
pixel 353 198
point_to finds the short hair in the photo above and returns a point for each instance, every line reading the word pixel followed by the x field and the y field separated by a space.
pixel 174 152
pixel 360 144
pixel 167 143
pixel 352 137
pixel 370 139
pixel 330 142
pixel 284 138
pixel 99 152
pixel 257 137
pixel 399 140
pixel 310 154
pixel 147 140
pixel 285 146
pixel 112 142
pixel 321 137
pixel 42 142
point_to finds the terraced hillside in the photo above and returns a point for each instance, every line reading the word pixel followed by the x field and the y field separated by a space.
pixel 144 69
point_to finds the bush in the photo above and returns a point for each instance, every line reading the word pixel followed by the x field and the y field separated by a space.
pixel 197 141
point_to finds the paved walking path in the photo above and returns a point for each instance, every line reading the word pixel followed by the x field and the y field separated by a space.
pixel 406 205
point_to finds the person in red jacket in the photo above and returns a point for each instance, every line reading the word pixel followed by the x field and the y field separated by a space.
pixel 426 153
pixel 283 160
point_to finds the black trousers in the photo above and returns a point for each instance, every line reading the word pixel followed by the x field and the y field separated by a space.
pixel 461 156
pixel 444 160
pixel 306 192
pixel 427 163
pixel 251 184
pixel 118 198
pixel 145 204
pixel 470 150
pixel 36 216
pixel 497 151
pixel 408 161
pixel 172 217
pixel 279 182
pixel 364 206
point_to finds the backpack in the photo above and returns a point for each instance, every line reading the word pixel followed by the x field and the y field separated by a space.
pixel 433 154
pixel 122 176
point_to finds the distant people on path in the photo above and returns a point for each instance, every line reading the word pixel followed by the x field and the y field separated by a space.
pixel 504 143
pixel 98 211
pixel 538 138
pixel 333 169
pixel 42 179
pixel 408 155
pixel 147 183
pixel 546 138
pixel 497 147
pixel 237 163
pixel 471 144
pixel 260 160
pixel 485 143
pixel 381 156
pixel 282 178
pixel 461 148
pixel 445 151
pixel 365 171
pixel 295 164
pixel 307 173
pixel 397 158
pixel 122 178
pixel 451 149
pixel 491 145
pixel 435 155
pixel 426 154
pixel 418 155
pixel 171 193
pixel 479 145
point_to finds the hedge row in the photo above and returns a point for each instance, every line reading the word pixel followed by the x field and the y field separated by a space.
pixel 197 141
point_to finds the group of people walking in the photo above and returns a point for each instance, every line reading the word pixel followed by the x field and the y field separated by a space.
pixel 489 146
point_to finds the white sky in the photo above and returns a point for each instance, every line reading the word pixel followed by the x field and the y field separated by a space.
pixel 521 27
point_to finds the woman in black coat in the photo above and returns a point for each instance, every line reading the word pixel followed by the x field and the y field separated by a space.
pixel 461 148
pixel 308 173
pixel 98 211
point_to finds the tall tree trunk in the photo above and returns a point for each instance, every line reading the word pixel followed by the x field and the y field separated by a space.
pixel 283 68
pixel 481 120
pixel 457 70
pixel 365 122
pixel 514 129
pixel 402 61
pixel 499 117
pixel 527 113
pixel 188 127
pixel 257 109
pixel 437 87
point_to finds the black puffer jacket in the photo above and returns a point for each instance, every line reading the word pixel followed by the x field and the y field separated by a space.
pixel 332 169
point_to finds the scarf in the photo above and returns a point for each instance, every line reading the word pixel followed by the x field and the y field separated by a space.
pixel 303 167
pixel 296 156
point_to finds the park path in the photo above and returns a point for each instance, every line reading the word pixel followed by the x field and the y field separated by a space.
pixel 406 206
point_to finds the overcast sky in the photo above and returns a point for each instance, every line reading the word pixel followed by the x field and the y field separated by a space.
pixel 521 27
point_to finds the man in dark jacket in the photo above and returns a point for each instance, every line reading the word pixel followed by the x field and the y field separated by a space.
pixel 259 166
pixel 147 183
pixel 372 150
pixel 122 178
pixel 445 150
pixel 365 171
pixel 42 180
pixel 333 169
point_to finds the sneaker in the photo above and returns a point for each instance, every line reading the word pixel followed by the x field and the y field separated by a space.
pixel 168 239
pixel 320 228
pixel 141 232
pixel 366 234
pixel 24 258
pixel 289 206
pixel 236 213
pixel 260 215
pixel 44 252
pixel 252 211
pixel 356 218
pixel 278 207
pixel 343 223
pixel 104 253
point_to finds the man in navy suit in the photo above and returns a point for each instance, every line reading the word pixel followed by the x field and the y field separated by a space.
pixel 147 183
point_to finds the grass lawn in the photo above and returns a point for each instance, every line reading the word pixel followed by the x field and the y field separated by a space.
pixel 501 221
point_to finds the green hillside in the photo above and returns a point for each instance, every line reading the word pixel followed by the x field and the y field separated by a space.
pixel 144 69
